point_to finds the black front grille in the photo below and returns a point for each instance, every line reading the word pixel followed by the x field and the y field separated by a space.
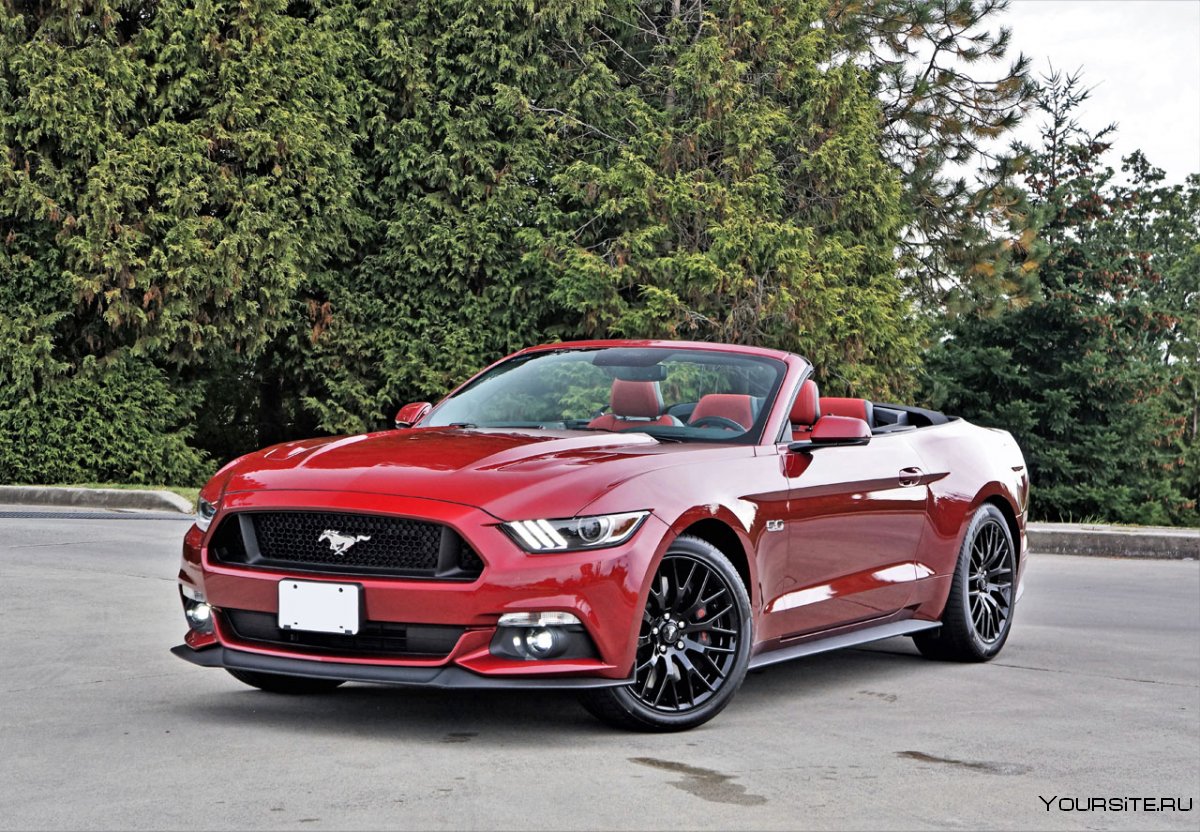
pixel 374 638
pixel 344 544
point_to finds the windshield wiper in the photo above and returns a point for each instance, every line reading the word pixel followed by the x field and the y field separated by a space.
pixel 462 425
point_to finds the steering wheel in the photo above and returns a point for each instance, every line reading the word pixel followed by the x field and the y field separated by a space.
pixel 716 422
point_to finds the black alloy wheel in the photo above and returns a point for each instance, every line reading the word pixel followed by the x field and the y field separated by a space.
pixel 693 644
pixel 979 609
pixel 990 585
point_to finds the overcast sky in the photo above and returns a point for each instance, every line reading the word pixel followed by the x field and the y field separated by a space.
pixel 1142 57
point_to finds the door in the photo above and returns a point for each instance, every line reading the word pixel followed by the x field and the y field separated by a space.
pixel 854 519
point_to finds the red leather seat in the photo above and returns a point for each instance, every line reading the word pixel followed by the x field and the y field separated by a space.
pixel 634 404
pixel 806 410
pixel 731 406
pixel 855 408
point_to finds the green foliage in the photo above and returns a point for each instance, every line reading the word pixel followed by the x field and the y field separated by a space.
pixel 948 89
pixel 558 170
pixel 224 223
pixel 1163 221
pixel 1078 374
pixel 454 171
pixel 118 422
pixel 723 181
pixel 172 172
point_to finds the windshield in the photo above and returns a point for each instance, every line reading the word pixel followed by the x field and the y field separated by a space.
pixel 672 394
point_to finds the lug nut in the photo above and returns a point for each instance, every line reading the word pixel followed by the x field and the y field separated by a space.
pixel 679 644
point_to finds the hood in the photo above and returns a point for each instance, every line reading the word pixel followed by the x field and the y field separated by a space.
pixel 502 471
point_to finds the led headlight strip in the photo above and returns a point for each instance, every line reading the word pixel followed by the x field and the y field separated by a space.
pixel 573 534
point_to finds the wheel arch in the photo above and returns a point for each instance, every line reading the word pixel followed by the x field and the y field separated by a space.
pixel 1010 518
pixel 721 534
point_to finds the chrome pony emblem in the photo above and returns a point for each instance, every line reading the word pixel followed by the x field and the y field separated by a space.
pixel 341 543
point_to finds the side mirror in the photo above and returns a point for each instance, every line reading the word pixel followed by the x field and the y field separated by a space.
pixel 410 414
pixel 833 431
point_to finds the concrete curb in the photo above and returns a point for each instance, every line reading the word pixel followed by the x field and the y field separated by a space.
pixel 1114 541
pixel 45 495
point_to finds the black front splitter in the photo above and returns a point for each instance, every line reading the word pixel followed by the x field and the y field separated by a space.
pixel 447 676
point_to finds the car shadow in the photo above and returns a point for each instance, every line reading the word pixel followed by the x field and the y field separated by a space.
pixel 381 711
pixel 510 718
pixel 830 674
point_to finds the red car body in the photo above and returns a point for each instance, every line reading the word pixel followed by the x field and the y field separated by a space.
pixel 844 540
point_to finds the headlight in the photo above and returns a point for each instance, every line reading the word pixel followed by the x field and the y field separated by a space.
pixel 575 533
pixel 205 512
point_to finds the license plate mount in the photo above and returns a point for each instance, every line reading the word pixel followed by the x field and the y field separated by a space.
pixel 320 607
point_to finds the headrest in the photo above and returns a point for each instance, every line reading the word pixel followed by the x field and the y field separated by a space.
pixel 636 399
pixel 733 406
pixel 806 410
pixel 854 408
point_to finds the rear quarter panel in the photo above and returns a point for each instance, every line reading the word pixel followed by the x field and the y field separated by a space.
pixel 967 466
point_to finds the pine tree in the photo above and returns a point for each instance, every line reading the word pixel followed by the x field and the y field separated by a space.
pixel 1077 374
pixel 948 92
pixel 1163 222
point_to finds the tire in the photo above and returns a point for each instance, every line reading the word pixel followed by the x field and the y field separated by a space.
pixel 979 609
pixel 698 600
pixel 276 683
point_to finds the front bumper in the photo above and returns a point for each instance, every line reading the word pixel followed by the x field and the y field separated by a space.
pixel 445 676
pixel 604 589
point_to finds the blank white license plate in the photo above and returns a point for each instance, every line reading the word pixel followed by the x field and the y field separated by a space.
pixel 319 607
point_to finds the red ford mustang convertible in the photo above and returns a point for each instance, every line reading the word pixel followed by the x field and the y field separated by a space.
pixel 638 521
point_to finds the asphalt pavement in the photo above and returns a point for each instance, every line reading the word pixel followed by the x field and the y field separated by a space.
pixel 1097 695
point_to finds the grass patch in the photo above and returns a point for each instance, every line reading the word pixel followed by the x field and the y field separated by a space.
pixel 189 494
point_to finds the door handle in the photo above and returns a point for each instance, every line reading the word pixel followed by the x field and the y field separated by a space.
pixel 911 476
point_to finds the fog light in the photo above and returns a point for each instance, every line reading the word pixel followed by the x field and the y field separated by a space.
pixel 544 642
pixel 535 636
pixel 196 609
pixel 199 614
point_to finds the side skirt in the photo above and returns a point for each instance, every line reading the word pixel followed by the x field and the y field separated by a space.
pixel 837 642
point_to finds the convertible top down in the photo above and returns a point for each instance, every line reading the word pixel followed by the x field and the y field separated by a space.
pixel 640 521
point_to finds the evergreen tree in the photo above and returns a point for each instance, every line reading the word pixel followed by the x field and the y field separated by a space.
pixel 172 171
pixel 1077 374
pixel 456 169
pixel 948 91
pixel 1162 222
pixel 723 180
pixel 618 169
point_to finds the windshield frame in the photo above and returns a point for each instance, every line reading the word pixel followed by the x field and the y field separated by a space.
pixel 752 436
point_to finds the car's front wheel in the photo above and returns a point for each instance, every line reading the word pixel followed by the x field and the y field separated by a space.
pixel 276 683
pixel 979 608
pixel 693 644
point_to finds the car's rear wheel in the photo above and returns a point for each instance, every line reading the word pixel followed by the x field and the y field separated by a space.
pixel 693 644
pixel 276 683
pixel 979 608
